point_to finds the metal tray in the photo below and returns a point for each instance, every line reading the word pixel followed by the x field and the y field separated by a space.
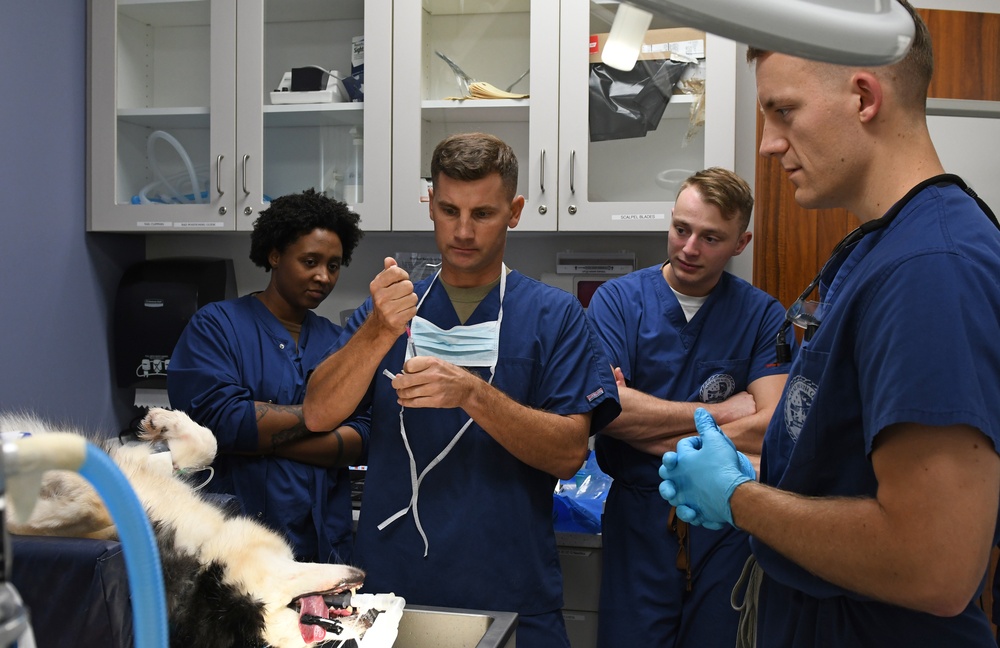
pixel 437 627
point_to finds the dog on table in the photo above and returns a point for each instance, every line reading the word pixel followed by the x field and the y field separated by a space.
pixel 230 581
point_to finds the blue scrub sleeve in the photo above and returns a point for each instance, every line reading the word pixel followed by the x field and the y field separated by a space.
pixel 202 381
pixel 931 321
pixel 362 424
pixel 606 316
pixel 576 376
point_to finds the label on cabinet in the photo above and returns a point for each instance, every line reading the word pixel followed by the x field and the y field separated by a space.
pixel 200 225
pixel 637 217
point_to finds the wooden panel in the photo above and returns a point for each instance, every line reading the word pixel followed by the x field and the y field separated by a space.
pixel 791 243
pixel 966 54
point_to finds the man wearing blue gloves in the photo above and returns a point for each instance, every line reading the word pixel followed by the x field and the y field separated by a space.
pixel 715 463
pixel 876 510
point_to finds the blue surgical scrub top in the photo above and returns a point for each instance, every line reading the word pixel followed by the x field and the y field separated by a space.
pixel 727 345
pixel 487 515
pixel 911 333
pixel 231 354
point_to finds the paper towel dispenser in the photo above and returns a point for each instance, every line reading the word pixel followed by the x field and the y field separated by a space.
pixel 155 300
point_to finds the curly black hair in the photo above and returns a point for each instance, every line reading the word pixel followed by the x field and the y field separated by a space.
pixel 295 215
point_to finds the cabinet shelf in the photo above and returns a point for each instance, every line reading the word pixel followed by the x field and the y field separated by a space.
pixel 173 118
pixel 284 116
pixel 332 114
pixel 178 13
pixel 515 110
pixel 476 110
pixel 459 7
pixel 963 108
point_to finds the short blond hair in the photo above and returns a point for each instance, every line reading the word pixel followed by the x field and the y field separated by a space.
pixel 911 75
pixel 726 190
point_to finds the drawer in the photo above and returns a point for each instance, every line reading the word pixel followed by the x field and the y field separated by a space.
pixel 581 626
pixel 581 570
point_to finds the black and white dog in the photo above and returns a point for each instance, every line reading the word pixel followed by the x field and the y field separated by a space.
pixel 230 581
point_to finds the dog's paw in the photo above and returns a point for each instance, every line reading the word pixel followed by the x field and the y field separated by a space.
pixel 191 445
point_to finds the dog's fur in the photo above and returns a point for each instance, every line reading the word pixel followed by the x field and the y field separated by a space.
pixel 230 581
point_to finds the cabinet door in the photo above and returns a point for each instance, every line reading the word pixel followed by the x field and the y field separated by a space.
pixel 510 44
pixel 332 139
pixel 161 94
pixel 621 174
pixel 187 131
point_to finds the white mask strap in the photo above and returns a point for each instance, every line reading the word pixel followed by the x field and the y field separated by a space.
pixel 428 291
pixel 415 480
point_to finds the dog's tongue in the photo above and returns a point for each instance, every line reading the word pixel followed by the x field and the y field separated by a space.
pixel 316 606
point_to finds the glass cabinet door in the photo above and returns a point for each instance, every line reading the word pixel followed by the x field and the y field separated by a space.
pixel 629 138
pixel 154 123
pixel 201 111
pixel 475 65
pixel 323 126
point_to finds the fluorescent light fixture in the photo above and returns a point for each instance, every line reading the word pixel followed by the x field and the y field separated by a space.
pixel 622 47
pixel 848 32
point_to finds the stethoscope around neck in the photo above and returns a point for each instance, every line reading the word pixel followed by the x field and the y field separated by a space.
pixel 809 314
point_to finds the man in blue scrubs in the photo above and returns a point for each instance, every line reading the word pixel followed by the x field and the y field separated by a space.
pixel 240 369
pixel 877 510
pixel 484 386
pixel 682 334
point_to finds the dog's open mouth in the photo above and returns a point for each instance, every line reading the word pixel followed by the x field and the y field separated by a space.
pixel 319 612
pixel 345 618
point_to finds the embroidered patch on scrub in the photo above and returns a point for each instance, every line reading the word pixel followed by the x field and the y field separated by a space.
pixel 799 398
pixel 717 388
pixel 594 394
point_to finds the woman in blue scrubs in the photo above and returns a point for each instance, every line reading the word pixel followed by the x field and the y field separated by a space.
pixel 240 369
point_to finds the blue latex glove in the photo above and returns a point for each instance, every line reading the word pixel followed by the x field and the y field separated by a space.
pixel 700 477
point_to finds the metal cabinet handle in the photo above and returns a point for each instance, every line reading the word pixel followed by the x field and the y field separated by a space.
pixel 541 172
pixel 246 158
pixel 572 169
pixel 218 174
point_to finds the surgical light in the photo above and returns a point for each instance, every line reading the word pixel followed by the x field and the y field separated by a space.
pixel 622 47
pixel 847 32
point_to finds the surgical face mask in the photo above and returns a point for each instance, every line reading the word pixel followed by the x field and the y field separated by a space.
pixel 477 345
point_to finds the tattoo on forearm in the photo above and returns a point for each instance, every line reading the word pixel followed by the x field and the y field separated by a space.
pixel 296 431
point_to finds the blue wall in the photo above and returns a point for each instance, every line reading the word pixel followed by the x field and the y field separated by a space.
pixel 57 283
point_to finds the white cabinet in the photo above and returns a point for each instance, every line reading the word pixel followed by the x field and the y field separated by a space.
pixel 569 182
pixel 493 41
pixel 182 131
pixel 626 185
pixel 180 97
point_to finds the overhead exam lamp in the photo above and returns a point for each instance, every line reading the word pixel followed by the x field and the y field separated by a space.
pixel 847 32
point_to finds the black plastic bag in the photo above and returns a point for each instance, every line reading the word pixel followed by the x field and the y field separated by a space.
pixel 630 104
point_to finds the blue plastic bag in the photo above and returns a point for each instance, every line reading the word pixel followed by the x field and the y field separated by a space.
pixel 578 503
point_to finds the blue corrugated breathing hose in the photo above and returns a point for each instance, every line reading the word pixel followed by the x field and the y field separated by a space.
pixel 142 557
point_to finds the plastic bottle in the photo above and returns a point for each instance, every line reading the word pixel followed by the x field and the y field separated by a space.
pixel 354 178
